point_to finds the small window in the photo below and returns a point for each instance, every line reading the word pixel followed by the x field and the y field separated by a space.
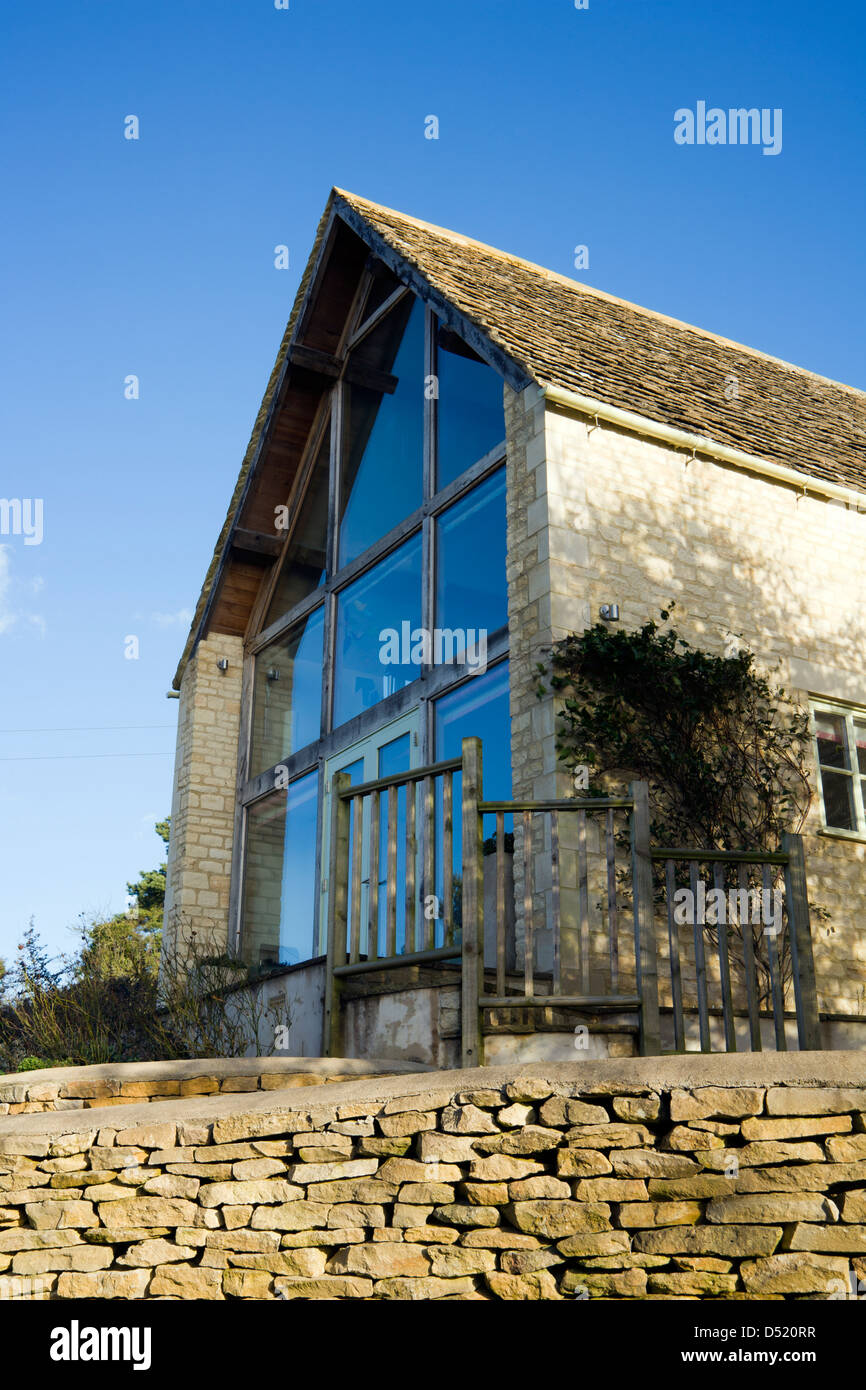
pixel 840 741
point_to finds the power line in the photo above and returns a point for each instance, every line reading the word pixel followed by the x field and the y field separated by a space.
pixel 88 729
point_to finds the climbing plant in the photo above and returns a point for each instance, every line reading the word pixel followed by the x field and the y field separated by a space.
pixel 723 751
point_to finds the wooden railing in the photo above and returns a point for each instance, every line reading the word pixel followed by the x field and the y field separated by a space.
pixel 358 852
pixel 780 948
pixel 602 960
pixel 542 988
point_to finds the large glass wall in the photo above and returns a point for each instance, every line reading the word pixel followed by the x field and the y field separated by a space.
pixel 351 597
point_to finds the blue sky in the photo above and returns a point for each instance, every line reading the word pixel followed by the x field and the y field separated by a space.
pixel 155 257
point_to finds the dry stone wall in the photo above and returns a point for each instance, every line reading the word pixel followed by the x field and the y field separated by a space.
pixel 82 1088
pixel 670 1178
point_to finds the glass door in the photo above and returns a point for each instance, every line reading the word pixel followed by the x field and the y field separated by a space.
pixel 392 749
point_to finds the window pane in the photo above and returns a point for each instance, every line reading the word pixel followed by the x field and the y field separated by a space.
pixel 288 693
pixel 381 289
pixel 838 791
pixel 471 414
pixel 376 616
pixel 384 431
pixel 480 708
pixel 832 740
pixel 280 876
pixel 472 592
pixel 860 738
pixel 303 569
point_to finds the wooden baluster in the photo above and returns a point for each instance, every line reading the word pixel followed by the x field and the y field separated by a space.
pixel 583 902
pixel 676 968
pixel 448 858
pixel 391 887
pixel 752 997
pixel 357 860
pixel 373 897
pixel 725 962
pixel 428 880
pixel 411 943
pixel 557 915
pixel 700 963
pixel 528 943
pixel 769 933
pixel 500 903
pixel 612 909
pixel 805 990
pixel 472 971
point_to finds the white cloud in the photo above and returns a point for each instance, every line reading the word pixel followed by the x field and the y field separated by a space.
pixel 10 613
pixel 182 618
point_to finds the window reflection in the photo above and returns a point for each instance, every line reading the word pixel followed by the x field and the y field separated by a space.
pixel 280 879
pixel 470 413
pixel 288 693
pixel 472 592
pixel 384 432
pixel 387 599
pixel 478 709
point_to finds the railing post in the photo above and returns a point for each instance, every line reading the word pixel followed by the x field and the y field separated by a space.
pixel 644 925
pixel 802 961
pixel 473 905
pixel 338 897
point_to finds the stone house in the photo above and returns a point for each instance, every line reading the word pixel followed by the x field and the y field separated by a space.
pixel 460 457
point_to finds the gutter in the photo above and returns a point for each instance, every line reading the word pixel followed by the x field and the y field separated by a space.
pixel 698 443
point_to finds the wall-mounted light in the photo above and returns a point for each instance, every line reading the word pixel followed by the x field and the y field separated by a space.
pixel 609 612
pixel 273 673
pixel 223 664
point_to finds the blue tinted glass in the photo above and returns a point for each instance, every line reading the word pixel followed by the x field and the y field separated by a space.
pixel 470 412
pixel 384 431
pixel 280 876
pixel 471 590
pixel 393 757
pixel 288 693
pixel 376 616
pixel 477 709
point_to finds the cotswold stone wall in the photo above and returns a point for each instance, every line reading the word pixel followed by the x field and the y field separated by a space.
pixel 203 801
pixel 717 1177
pixel 130 1083
pixel 598 515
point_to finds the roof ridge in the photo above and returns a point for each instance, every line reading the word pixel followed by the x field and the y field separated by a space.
pixel 360 203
